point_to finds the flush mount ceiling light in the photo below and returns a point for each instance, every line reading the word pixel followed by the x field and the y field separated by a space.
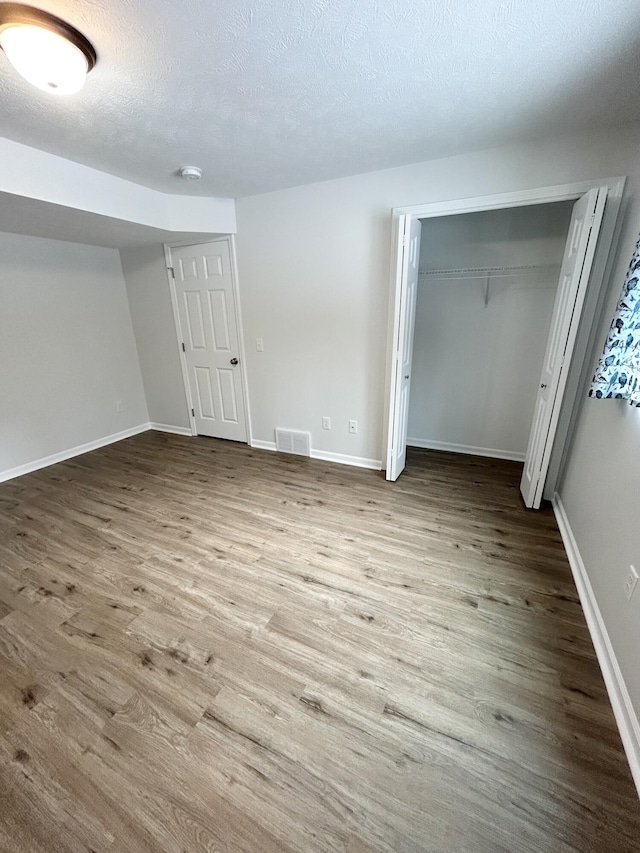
pixel 45 50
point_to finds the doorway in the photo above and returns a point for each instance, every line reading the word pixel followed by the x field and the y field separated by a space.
pixel 486 290
pixel 206 312
pixel 592 224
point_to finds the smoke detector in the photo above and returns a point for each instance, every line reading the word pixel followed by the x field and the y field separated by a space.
pixel 191 173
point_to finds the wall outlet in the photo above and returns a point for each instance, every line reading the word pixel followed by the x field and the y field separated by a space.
pixel 259 345
pixel 353 426
pixel 119 406
pixel 630 582
pixel 326 423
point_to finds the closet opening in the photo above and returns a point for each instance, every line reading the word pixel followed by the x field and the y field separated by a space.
pixel 491 322
pixel 487 284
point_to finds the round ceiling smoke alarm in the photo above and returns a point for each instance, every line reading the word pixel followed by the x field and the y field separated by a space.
pixel 191 173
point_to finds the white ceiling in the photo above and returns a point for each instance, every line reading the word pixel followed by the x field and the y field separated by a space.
pixel 264 94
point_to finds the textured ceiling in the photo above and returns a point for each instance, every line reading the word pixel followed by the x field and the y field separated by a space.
pixel 264 94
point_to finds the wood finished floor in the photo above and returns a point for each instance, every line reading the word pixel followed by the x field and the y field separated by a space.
pixel 208 647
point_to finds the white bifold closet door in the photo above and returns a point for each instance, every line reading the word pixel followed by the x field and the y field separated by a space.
pixel 408 235
pixel 572 287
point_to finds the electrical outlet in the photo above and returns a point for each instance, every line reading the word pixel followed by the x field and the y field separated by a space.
pixel 259 345
pixel 326 423
pixel 630 582
pixel 353 426
pixel 119 406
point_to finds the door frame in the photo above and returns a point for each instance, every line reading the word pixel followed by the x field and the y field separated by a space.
pixel 230 240
pixel 591 309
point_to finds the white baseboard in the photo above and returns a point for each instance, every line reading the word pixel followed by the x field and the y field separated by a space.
pixel 263 445
pixel 175 430
pixel 491 452
pixel 326 456
pixel 10 473
pixel 344 459
pixel 623 709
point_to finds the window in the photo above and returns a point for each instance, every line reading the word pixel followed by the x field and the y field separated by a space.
pixel 618 372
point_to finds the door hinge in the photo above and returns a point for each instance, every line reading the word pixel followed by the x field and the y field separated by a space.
pixel 183 349
pixel 171 270
pixel 405 240
pixel 193 414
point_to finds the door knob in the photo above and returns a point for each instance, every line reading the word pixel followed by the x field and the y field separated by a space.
pixel 406 376
pixel 233 361
pixel 544 385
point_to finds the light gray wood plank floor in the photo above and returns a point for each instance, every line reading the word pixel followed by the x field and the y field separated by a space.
pixel 208 647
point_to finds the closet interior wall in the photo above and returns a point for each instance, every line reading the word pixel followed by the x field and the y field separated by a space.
pixel 486 291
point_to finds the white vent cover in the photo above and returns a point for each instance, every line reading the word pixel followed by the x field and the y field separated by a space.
pixel 288 441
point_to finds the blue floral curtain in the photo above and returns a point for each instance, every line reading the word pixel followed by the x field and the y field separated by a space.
pixel 618 373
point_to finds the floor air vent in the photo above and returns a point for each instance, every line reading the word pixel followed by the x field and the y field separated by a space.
pixel 288 441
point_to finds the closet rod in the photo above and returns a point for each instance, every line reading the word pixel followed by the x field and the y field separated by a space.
pixel 493 272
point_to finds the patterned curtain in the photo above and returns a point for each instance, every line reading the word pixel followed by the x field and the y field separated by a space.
pixel 618 373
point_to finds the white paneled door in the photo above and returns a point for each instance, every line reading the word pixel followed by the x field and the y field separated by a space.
pixel 409 231
pixel 209 327
pixel 572 287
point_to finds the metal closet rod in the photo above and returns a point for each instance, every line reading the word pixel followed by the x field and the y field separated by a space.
pixel 488 274
pixel 493 272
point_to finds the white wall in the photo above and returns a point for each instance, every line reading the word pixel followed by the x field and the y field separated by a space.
pixel 29 173
pixel 476 367
pixel 314 282
pixel 517 236
pixel 314 278
pixel 66 349
pixel 601 488
pixel 145 274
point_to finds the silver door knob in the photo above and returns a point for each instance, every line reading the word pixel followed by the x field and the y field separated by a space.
pixel 233 361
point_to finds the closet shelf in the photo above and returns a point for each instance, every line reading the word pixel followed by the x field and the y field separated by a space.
pixel 490 272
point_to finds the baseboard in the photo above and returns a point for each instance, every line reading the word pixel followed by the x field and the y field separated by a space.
pixel 175 430
pixel 623 709
pixel 344 459
pixel 263 445
pixel 326 456
pixel 491 452
pixel 11 473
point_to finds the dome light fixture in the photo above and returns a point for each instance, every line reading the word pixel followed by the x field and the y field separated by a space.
pixel 45 50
